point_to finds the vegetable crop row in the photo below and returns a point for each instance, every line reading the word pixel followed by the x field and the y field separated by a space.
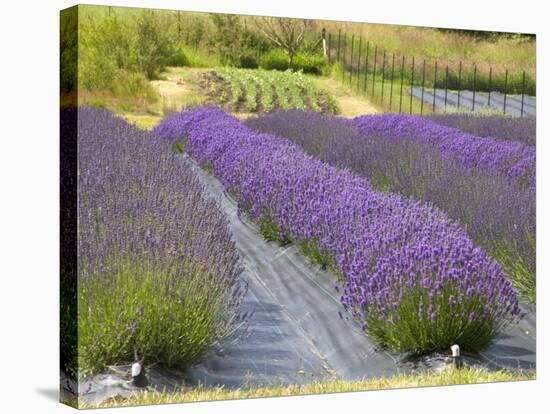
pixel 265 90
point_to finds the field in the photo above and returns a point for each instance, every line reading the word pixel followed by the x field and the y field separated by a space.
pixel 247 218
pixel 246 90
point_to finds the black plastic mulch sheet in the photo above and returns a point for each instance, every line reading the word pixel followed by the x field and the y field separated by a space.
pixel 482 103
pixel 296 334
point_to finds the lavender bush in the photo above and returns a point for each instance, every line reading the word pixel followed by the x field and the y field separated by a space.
pixel 158 270
pixel 513 129
pixel 496 214
pixel 512 159
pixel 411 275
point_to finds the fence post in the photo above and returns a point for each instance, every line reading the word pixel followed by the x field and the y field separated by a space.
pixel 338 52
pixel 505 89
pixel 446 85
pixel 366 68
pixel 412 86
pixel 402 73
pixel 374 68
pixel 391 80
pixel 423 79
pixel 351 60
pixel 435 86
pixel 324 40
pixel 474 89
pixel 383 78
pixel 522 92
pixel 490 82
pixel 359 63
pixel 329 46
pixel 459 84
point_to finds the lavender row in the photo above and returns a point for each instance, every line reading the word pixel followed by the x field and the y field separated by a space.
pixel 495 213
pixel 513 129
pixel 149 265
pixel 512 159
pixel 392 252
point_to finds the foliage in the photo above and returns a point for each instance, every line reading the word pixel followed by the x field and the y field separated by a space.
pixel 237 45
pixel 68 48
pixel 276 59
pixel 387 247
pixel 497 214
pixel 119 56
pixel 262 91
pixel 152 46
pixel 155 278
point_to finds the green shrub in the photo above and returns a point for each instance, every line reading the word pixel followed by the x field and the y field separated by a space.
pixel 271 231
pixel 163 316
pixel 410 328
pixel 275 59
pixel 179 58
pixel 248 61
pixel 310 63
pixel 191 57
pixel 133 85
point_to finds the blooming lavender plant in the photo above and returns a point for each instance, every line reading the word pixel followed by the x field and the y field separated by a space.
pixel 498 216
pixel 504 127
pixel 158 270
pixel 509 158
pixel 395 254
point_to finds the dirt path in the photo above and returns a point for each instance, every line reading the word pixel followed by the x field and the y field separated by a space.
pixel 350 103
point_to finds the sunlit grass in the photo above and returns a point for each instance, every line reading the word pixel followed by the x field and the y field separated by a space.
pixel 445 377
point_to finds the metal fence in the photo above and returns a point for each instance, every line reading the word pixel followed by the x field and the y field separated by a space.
pixel 401 83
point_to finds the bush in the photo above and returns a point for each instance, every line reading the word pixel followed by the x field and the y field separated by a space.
pixel 133 85
pixel 141 306
pixel 310 63
pixel 193 58
pixel 277 59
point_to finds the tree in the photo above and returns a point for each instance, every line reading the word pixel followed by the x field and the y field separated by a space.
pixel 288 34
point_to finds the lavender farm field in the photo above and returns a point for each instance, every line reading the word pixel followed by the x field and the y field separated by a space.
pixel 393 255
pixel 244 213
pixel 145 259
pixel 495 208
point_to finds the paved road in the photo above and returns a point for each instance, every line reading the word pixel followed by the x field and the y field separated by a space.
pixel 513 102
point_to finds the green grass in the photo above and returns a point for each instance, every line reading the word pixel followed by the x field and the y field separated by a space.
pixel 445 377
